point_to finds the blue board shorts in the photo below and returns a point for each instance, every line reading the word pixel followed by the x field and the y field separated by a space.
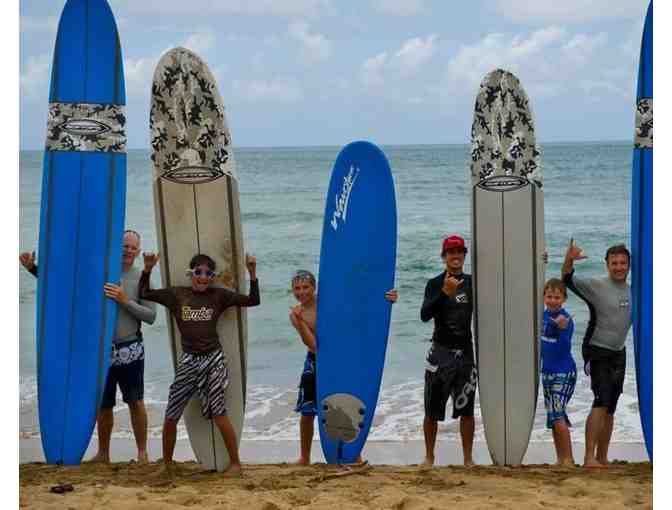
pixel 306 403
pixel 127 370
pixel 558 390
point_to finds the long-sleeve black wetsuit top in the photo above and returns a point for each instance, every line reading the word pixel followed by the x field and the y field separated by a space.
pixel 452 315
pixel 196 313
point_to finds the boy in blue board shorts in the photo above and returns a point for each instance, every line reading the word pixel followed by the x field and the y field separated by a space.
pixel 303 317
pixel 558 369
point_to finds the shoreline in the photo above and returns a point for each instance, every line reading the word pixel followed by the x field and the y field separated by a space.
pixel 397 453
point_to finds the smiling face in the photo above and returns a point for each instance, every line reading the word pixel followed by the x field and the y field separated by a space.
pixel 454 259
pixel 618 266
pixel 201 277
pixel 131 248
pixel 303 290
pixel 554 299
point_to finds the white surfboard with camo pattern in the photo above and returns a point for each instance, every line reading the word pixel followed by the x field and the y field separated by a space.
pixel 197 211
pixel 507 263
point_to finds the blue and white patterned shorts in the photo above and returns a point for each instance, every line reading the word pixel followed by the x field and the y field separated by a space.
pixel 558 390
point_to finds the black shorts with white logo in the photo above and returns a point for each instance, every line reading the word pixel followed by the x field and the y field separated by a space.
pixel 454 376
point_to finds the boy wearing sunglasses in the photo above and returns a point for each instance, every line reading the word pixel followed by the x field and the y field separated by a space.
pixel 202 368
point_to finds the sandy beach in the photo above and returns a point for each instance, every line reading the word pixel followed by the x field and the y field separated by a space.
pixel 126 486
pixel 392 480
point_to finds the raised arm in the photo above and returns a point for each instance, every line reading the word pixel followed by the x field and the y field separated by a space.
pixel 165 297
pixel 573 253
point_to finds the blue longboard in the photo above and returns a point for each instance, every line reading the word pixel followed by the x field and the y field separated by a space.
pixel 357 264
pixel 81 226
pixel 642 233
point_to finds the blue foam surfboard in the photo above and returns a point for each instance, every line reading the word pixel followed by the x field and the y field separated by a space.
pixel 81 226
pixel 642 233
pixel 357 264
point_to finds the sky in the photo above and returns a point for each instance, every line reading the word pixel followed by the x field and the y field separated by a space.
pixel 326 72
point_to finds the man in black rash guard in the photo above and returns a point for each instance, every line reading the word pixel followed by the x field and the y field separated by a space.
pixel 450 367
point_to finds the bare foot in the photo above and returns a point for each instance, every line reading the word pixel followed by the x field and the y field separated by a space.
pixel 604 462
pixel 143 458
pixel 99 458
pixel 233 471
pixel 567 462
pixel 428 462
pixel 168 471
pixel 302 462
pixel 593 464
pixel 469 463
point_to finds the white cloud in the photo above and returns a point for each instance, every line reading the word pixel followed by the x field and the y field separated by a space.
pixel 550 62
pixel 314 47
pixel 415 52
pixel 281 8
pixel 283 90
pixel 406 61
pixel 515 53
pixel 200 42
pixel 399 7
pixel 569 11
pixel 139 74
pixel 34 79
pixel 372 70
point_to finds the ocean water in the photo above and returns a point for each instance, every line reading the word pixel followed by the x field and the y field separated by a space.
pixel 587 196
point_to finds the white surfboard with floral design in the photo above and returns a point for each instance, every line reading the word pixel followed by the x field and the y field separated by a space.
pixel 507 262
pixel 197 211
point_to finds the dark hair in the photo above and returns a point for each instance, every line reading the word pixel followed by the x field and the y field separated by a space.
pixel 200 259
pixel 617 249
pixel 556 284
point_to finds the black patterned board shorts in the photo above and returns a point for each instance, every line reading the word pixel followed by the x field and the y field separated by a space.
pixel 127 370
pixel 306 402
pixel 207 376
pixel 455 378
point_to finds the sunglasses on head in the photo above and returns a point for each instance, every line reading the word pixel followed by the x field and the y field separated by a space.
pixel 200 272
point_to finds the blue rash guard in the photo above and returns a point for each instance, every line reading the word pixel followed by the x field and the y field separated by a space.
pixel 556 344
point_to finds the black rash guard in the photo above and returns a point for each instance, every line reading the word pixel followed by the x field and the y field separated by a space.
pixel 452 315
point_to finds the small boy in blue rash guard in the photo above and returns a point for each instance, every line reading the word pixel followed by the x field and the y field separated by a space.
pixel 558 370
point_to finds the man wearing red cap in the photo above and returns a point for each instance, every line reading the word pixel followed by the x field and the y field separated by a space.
pixel 450 367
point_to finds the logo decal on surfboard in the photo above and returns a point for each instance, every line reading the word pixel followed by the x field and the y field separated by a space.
pixel 503 183
pixel 80 127
pixel 192 175
pixel 343 198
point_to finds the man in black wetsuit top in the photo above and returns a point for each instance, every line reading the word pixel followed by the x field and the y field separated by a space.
pixel 450 367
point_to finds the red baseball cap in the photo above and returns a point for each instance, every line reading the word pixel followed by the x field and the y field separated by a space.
pixel 452 242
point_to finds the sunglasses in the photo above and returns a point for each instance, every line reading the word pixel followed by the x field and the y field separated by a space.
pixel 199 272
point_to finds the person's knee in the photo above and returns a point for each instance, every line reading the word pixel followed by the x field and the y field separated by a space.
pixel 136 406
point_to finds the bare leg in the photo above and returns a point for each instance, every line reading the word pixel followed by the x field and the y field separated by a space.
pixel 306 429
pixel 430 428
pixel 138 413
pixel 556 444
pixel 563 442
pixel 594 425
pixel 169 439
pixel 229 435
pixel 604 439
pixel 104 423
pixel 467 427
